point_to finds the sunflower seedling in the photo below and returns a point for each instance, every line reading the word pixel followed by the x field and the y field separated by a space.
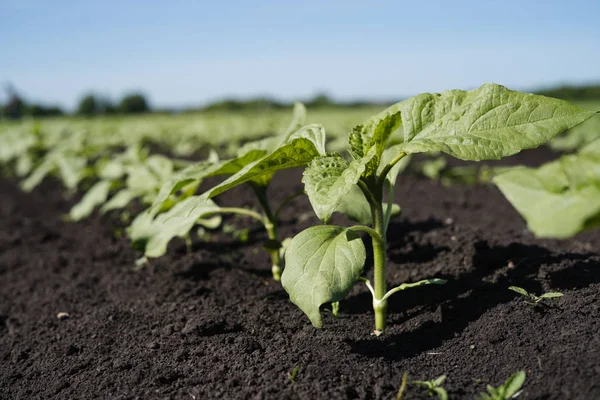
pixel 255 165
pixel 434 387
pixel 510 389
pixel 532 299
pixel 324 262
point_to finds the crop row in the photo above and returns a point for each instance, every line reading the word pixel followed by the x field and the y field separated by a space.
pixel 323 262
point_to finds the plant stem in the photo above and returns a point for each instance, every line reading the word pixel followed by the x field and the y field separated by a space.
pixel 374 193
pixel 379 262
pixel 388 167
pixel 270 222
pixel 287 201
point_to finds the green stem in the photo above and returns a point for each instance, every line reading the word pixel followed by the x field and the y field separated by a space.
pixel 374 234
pixel 287 201
pixel 379 262
pixel 275 256
pixel 270 222
pixel 388 167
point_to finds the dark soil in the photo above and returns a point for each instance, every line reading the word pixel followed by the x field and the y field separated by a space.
pixel 213 325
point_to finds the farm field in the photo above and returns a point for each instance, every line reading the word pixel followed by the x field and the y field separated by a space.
pixel 213 324
pixel 83 312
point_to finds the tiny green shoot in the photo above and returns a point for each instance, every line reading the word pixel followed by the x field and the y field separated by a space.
pixel 510 389
pixel 402 386
pixel 434 387
pixel 532 299
pixel 292 375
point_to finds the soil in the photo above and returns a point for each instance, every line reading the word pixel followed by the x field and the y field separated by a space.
pixel 211 324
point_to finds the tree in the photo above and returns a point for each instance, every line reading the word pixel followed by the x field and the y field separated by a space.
pixel 88 105
pixel 15 107
pixel 133 103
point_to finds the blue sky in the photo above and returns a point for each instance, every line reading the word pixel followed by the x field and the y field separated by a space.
pixel 190 52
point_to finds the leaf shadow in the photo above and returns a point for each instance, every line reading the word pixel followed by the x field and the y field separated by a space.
pixel 466 298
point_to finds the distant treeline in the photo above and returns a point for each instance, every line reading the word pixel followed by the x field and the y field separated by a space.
pixel 134 103
pixel 573 92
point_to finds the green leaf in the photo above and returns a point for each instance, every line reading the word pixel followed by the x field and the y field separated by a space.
pixel 95 196
pixel 559 199
pixel 551 295
pixel 303 145
pixel 513 384
pixel 328 179
pixel 298 119
pixel 161 166
pixel 119 200
pixel 356 208
pixel 71 169
pixel 484 124
pixel 322 264
pixel 441 392
pixel 37 175
pixel 519 290
pixel 196 173
pixel 374 134
pixel 155 232
pixel 439 380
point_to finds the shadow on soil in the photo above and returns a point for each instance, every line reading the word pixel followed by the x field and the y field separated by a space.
pixel 464 299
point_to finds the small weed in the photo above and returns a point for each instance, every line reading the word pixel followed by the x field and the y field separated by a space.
pixel 434 387
pixel 532 299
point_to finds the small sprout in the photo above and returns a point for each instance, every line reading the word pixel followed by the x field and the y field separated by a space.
pixel 509 390
pixel 532 299
pixel 402 386
pixel 434 387
pixel 141 263
pixel 292 375
pixel 335 308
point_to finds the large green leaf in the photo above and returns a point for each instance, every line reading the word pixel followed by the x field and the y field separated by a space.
pixel 484 124
pixel 558 199
pixel 329 178
pixel 94 197
pixel 155 232
pixel 302 146
pixel 322 264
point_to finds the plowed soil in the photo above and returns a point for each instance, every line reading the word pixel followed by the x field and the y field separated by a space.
pixel 211 324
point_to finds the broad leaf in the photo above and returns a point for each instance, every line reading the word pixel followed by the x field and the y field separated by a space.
pixel 484 124
pixel 558 199
pixel 322 264
pixel 329 178
pixel 94 197
pixel 156 232
pixel 303 145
